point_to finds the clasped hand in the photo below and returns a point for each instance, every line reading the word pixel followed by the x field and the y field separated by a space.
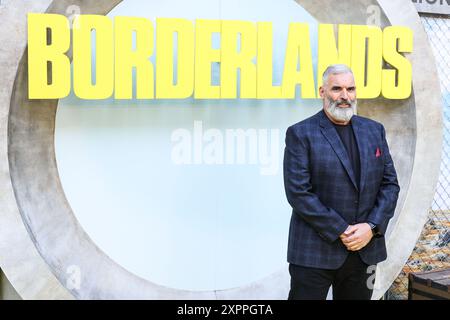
pixel 357 236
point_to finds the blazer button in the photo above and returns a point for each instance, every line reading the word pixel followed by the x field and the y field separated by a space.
pixel 356 201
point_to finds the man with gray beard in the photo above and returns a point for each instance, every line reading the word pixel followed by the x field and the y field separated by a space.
pixel 342 185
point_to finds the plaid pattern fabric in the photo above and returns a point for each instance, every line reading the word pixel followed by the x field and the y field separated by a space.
pixel 320 186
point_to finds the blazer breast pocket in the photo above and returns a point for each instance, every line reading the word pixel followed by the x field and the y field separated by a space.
pixel 376 160
pixel 376 153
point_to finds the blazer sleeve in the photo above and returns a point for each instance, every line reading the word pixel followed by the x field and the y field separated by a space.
pixel 297 182
pixel 387 195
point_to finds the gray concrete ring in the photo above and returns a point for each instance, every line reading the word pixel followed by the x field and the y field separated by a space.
pixel 40 238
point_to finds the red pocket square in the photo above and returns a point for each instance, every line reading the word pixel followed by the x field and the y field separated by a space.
pixel 378 153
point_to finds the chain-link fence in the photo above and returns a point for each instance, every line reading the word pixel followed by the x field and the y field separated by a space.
pixel 432 250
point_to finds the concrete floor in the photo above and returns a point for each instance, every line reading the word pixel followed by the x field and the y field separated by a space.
pixel 7 291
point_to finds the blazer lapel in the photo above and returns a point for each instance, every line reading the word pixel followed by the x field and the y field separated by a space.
pixel 332 136
pixel 362 141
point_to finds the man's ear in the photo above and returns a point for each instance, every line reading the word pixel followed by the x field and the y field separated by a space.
pixel 321 91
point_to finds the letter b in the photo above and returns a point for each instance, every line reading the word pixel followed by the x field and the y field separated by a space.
pixel 41 83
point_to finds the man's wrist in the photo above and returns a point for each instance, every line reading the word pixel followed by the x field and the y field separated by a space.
pixel 374 228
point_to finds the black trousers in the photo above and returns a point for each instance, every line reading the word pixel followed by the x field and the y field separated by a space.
pixel 352 281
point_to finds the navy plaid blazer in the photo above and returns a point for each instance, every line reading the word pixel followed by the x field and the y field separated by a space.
pixel 320 186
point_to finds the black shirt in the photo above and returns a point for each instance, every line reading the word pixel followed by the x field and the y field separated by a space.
pixel 348 139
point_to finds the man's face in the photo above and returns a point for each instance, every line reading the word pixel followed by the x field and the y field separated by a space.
pixel 339 97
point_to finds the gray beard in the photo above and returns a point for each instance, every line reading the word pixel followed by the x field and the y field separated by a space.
pixel 341 114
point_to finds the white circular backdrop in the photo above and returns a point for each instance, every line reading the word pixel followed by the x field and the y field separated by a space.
pixel 194 226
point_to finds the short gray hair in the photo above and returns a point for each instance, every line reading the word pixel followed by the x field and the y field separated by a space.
pixel 335 69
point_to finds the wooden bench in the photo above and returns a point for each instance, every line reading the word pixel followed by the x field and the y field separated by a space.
pixel 431 285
